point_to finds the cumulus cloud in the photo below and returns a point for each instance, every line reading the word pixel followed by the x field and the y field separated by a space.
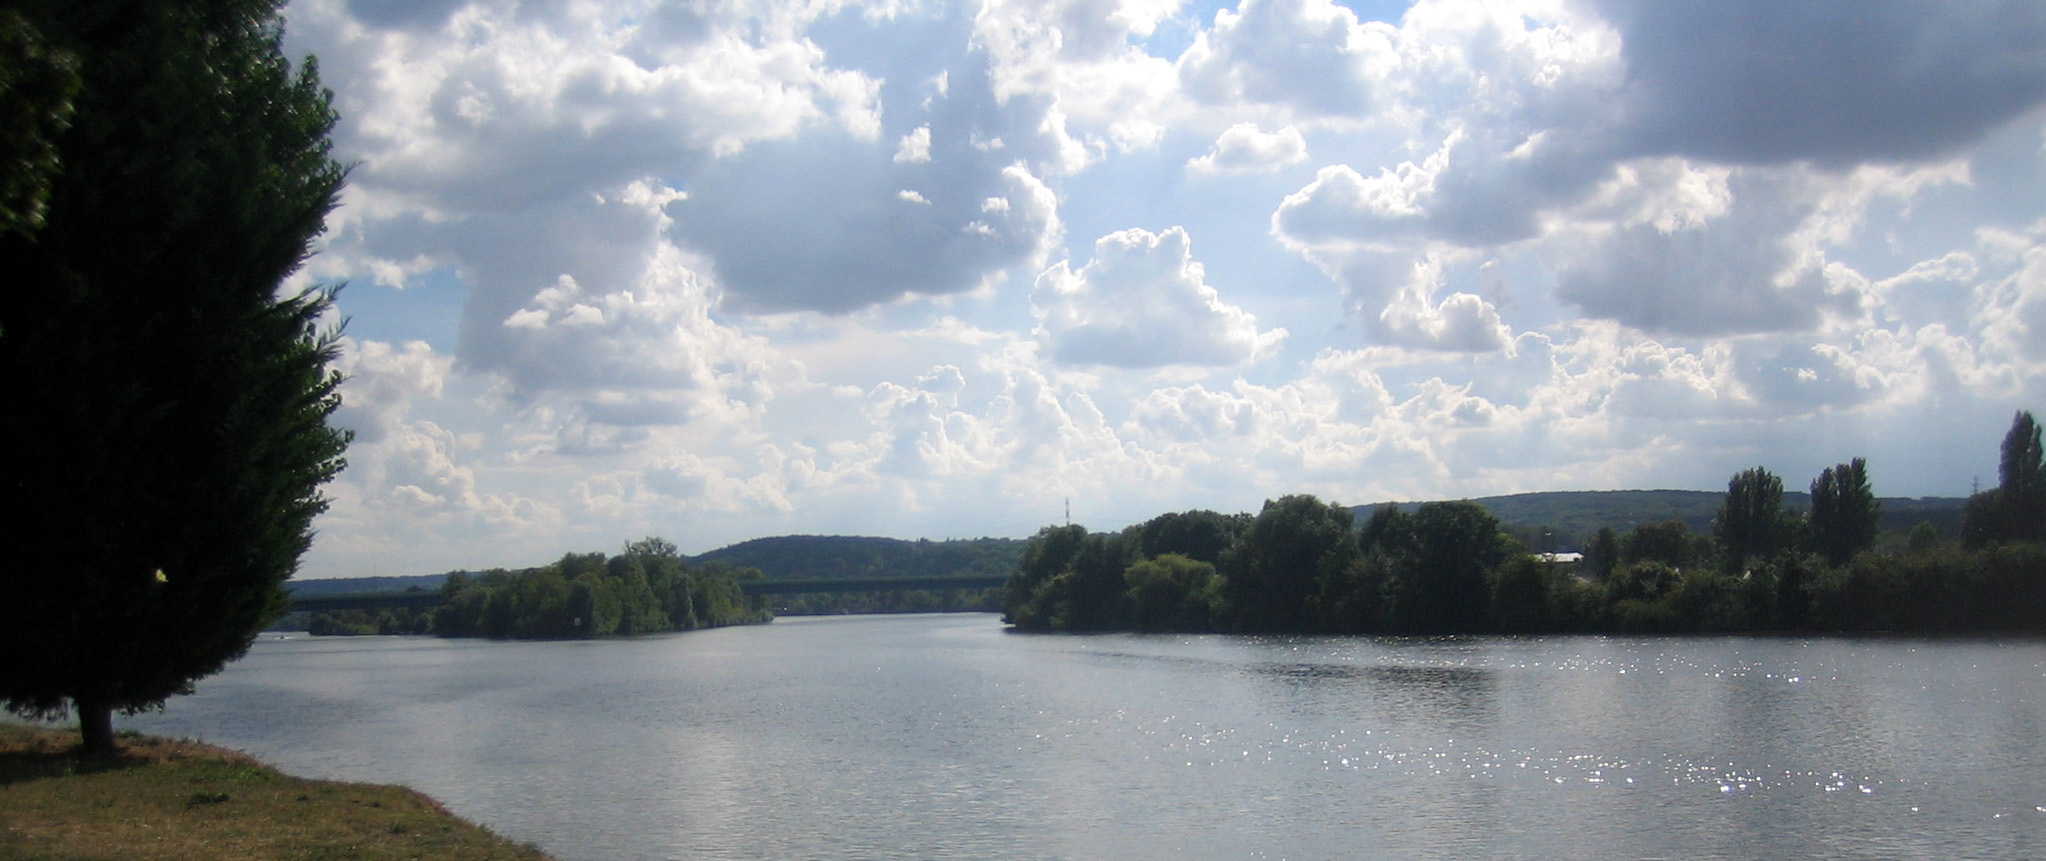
pixel 1343 207
pixel 381 383
pixel 1245 149
pixel 1143 302
pixel 1647 139
pixel 1393 287
pixel 1460 323
pixel 914 147
pixel 922 433
pixel 622 343
pixel 815 224
pixel 1836 81
pixel 500 107
pixel 1310 55
pixel 419 477
pixel 1081 55
pixel 1742 271
pixel 2013 307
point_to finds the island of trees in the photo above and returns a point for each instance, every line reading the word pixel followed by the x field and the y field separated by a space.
pixel 1305 565
pixel 649 588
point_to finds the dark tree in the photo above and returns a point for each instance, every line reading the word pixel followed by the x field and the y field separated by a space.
pixel 1521 596
pixel 653 546
pixel 1670 542
pixel 37 83
pixel 1451 548
pixel 2022 469
pixel 1198 535
pixel 2022 472
pixel 1049 553
pixel 1092 594
pixel 1603 554
pixel 165 430
pixel 1294 544
pixel 1845 513
pixel 1751 525
pixel 2015 510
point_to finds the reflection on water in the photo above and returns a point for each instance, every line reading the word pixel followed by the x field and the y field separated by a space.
pixel 943 737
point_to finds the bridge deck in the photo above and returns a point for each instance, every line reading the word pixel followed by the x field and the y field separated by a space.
pixel 390 600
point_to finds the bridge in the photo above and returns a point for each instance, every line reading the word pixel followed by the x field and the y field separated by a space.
pixel 431 598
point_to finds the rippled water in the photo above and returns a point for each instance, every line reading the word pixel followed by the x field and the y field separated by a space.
pixel 944 737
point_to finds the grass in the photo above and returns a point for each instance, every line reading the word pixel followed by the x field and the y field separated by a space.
pixel 165 799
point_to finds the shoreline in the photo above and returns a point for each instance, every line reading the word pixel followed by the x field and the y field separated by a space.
pixel 160 798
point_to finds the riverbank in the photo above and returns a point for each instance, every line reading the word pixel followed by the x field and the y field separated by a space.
pixel 166 799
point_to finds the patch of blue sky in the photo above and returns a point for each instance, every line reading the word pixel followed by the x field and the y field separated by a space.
pixel 428 308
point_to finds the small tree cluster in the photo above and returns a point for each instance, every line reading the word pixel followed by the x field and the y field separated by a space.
pixel 644 590
pixel 1301 564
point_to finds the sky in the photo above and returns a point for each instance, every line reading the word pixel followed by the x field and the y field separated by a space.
pixel 727 270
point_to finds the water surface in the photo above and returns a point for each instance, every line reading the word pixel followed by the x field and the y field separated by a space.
pixel 945 737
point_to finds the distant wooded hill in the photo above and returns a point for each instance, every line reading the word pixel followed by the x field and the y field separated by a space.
pixel 1573 516
pixel 1569 516
pixel 830 557
pixel 789 557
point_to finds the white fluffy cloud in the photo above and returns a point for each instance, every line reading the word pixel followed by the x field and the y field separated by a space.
pixel 1310 55
pixel 1143 302
pixel 1244 149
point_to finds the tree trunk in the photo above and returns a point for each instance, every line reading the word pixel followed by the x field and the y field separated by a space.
pixel 95 726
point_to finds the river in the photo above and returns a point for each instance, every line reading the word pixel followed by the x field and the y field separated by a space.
pixel 946 737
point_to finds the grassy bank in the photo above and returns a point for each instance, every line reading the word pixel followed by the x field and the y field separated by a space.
pixel 164 799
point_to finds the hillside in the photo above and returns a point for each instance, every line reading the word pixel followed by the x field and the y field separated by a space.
pixel 819 557
pixel 1575 515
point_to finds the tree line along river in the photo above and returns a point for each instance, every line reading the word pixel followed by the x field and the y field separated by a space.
pixel 945 736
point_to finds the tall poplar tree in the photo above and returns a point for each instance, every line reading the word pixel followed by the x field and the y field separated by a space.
pixel 164 429
pixel 2015 510
pixel 1751 525
pixel 1845 513
pixel 2022 474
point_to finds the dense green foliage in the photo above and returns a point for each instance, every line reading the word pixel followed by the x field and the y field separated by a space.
pixel 393 620
pixel 646 589
pixel 37 83
pixel 1272 574
pixel 1304 565
pixel 165 431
